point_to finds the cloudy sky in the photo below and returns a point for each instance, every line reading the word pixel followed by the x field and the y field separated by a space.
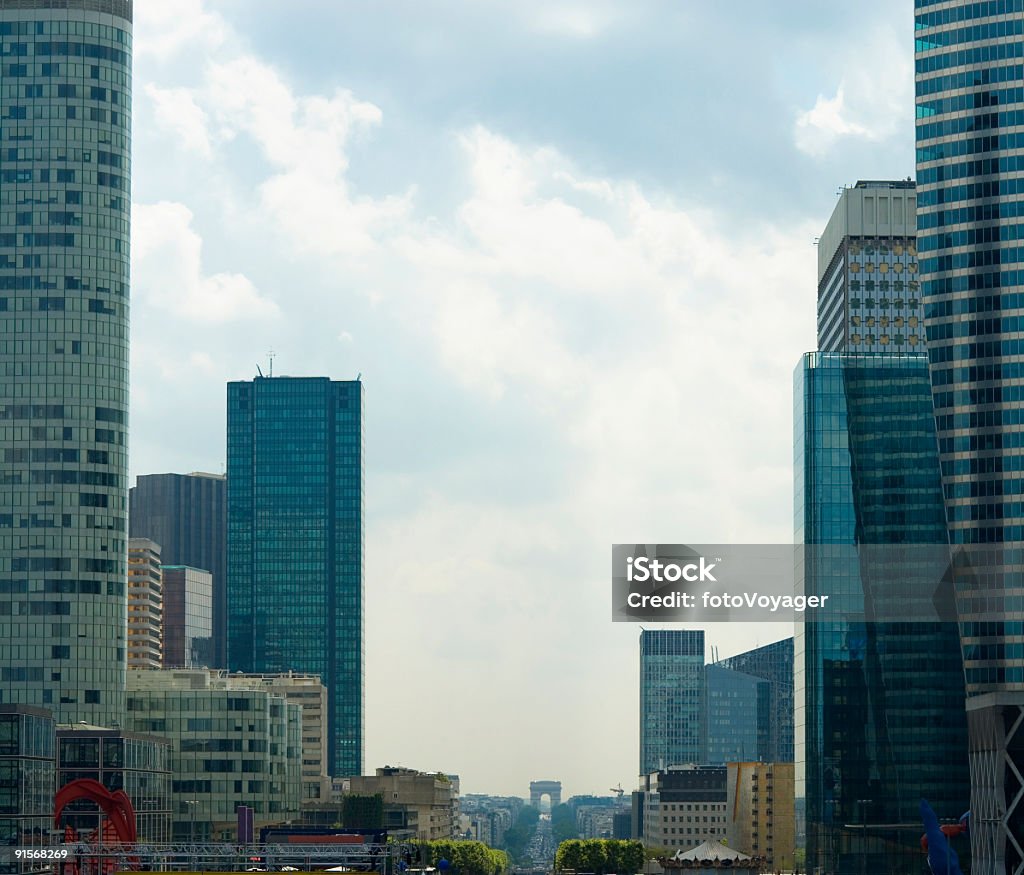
pixel 569 246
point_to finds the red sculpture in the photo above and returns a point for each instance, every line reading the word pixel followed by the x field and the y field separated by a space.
pixel 118 825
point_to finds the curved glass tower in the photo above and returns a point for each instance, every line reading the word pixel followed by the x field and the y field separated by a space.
pixel 65 121
pixel 970 183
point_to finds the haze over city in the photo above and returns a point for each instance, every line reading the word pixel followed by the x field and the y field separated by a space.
pixel 569 248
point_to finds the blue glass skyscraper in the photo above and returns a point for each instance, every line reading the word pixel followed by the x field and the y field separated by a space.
pixel 295 542
pixel 880 721
pixel 969 73
pixel 773 663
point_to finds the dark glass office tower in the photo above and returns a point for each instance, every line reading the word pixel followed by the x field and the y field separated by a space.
pixel 65 126
pixel 295 542
pixel 186 514
pixel 737 716
pixel 880 720
pixel 672 698
pixel 970 151
pixel 773 663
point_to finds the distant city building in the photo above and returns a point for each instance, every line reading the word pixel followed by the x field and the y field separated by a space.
pixel 28 779
pixel 684 806
pixel 188 617
pixel 490 817
pixel 64 290
pixel 145 604
pixel 186 514
pixel 139 764
pixel 737 716
pixel 774 663
pixel 869 296
pixel 761 819
pixel 420 802
pixel 880 718
pixel 295 542
pixel 231 744
pixel 672 698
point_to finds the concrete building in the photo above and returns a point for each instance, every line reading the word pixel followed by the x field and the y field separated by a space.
pixel 420 802
pixel 308 693
pixel 869 297
pixel 760 812
pixel 65 189
pixel 970 95
pixel 138 763
pixel 145 604
pixel 232 743
pixel 28 779
pixel 295 542
pixel 683 806
pixel 186 514
pixel 188 617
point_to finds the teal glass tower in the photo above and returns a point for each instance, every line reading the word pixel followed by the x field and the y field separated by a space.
pixel 880 721
pixel 295 542
pixel 65 124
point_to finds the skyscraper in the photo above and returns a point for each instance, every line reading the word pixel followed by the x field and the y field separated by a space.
pixel 672 698
pixel 773 663
pixel 64 229
pixel 295 542
pixel 868 290
pixel 186 514
pixel 879 706
pixel 970 101
pixel 737 716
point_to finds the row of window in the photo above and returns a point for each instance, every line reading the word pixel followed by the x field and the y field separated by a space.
pixel 986 54
pixel 964 102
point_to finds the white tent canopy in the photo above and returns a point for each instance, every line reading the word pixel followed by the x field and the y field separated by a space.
pixel 710 851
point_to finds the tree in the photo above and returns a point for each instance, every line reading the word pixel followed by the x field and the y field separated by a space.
pixel 363 812
pixel 600 856
pixel 467 858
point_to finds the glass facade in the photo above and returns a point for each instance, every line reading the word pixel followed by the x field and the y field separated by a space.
pixel 65 123
pixel 27 778
pixel 295 542
pixel 186 514
pixel 188 617
pixel 737 716
pixel 672 698
pixel 229 747
pixel 774 663
pixel 969 103
pixel 880 719
pixel 138 764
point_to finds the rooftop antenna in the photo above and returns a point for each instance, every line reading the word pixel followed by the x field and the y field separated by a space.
pixel 258 369
pixel 270 356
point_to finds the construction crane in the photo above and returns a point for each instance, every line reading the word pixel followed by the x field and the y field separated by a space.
pixel 617 790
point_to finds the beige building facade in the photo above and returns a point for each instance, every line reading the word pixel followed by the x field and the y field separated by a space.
pixel 760 807
pixel 421 802
pixel 145 604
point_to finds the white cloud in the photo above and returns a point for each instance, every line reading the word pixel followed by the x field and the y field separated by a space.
pixel 176 110
pixel 168 271
pixel 163 29
pixel 871 101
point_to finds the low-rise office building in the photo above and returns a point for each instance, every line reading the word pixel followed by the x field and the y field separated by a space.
pixel 233 743
pixel 683 806
pixel 27 778
pixel 120 759
pixel 420 802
